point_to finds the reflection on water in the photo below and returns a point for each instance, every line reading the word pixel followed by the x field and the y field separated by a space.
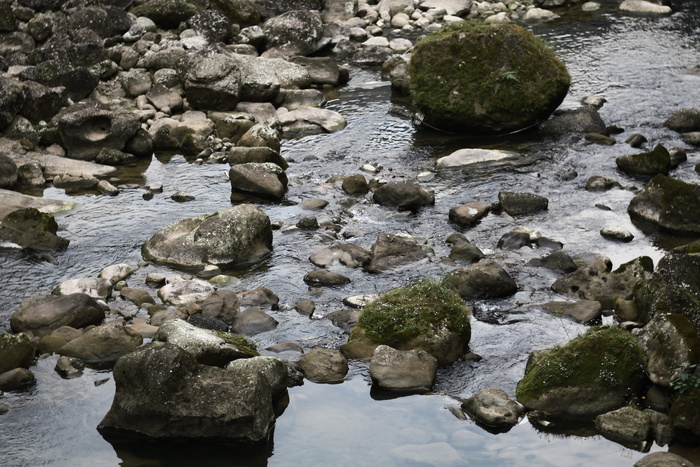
pixel 642 66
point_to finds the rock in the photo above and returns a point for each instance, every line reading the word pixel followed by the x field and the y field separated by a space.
pixel 323 277
pixel 254 321
pixel 41 314
pixel 514 240
pixel 162 393
pixel 684 415
pixel 643 6
pixel 244 155
pixel 114 157
pixel 207 322
pixel 311 120
pixel 616 233
pixel 95 287
pixel 182 292
pixel 556 261
pixel 103 345
pixel 486 279
pixel 305 307
pixel 488 62
pixel 262 296
pixel 30 228
pixel 600 183
pixel 213 25
pixel 116 273
pixel 293 99
pixel 295 32
pixel 69 367
pixel 16 379
pixel 261 135
pixel 663 459
pixel 241 12
pixel 345 253
pixel 692 138
pixel 467 215
pixel 465 251
pixel 582 120
pixel 77 79
pixel 28 175
pixel 16 350
pixel 390 251
pixel 274 370
pixel 265 179
pixel 424 315
pixel 535 15
pixel 684 121
pixel 324 366
pixel 74 183
pixel 344 319
pixel 596 282
pixel 563 383
pixel 136 81
pixel 213 83
pixel 597 138
pixel 661 428
pixel 165 13
pixel 517 204
pixel 355 185
pixel 161 97
pixel 669 204
pixel 405 195
pixel 669 341
pixel 636 140
pixel 208 347
pixel 395 70
pixel 87 130
pixel 627 425
pixel 583 311
pixel 647 164
pixel 492 407
pixel 11 101
pixel 406 371
pixel 138 297
pixel 222 305
pixel 234 236
pixel 472 156
pixel 182 197
pixel 8 172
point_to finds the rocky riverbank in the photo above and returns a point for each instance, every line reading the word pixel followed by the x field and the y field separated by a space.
pixel 226 89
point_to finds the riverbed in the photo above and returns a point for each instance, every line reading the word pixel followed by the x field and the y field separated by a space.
pixel 645 67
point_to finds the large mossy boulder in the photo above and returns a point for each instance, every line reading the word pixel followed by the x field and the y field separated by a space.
pixel 163 393
pixel 592 374
pixel 234 236
pixel 476 76
pixel 30 228
pixel 673 288
pixel 669 204
pixel 425 315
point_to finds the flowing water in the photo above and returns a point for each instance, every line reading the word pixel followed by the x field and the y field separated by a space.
pixel 644 67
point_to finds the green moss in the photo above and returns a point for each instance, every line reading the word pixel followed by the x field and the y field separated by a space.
pixel 27 218
pixel 478 70
pixel 241 342
pixel 685 411
pixel 606 356
pixel 675 192
pixel 417 309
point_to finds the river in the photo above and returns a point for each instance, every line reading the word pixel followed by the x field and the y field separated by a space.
pixel 645 67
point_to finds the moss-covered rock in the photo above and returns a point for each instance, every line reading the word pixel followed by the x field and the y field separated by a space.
pixel 30 228
pixel 425 315
pixel 646 164
pixel 476 76
pixel 668 203
pixel 592 374
pixel 685 413
pixel 674 287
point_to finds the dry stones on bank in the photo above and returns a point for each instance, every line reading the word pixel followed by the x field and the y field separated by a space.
pixel 233 236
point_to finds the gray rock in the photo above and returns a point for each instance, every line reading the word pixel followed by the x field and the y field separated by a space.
pixel 293 99
pixel 600 183
pixel 233 125
pixel 69 367
pixel 410 371
pixel 668 343
pixel 8 172
pixel 636 140
pixel 182 292
pixel 643 6
pixel 626 424
pixel 684 120
pixel 30 228
pixel 262 296
pixel 344 319
pixel 390 251
pixel 514 240
pixel 11 101
pixel 467 215
pixel 646 164
pixel 261 135
pixel 405 195
pixel 244 155
pixel 670 204
pixel 213 25
pixel 163 393
pixel 472 156
pixel 254 321
pixel 161 97
pixel 29 175
pixel 295 32
pixel 234 236
pixel 323 277
pixel 94 287
pixel 206 346
pixel 213 83
pixel 345 253
pixel 222 305
pixel 264 179
pixel 355 185
pixel 86 130
pixel 324 366
pixel 16 379
pixel 103 345
pixel 114 157
pixel 272 369
pixel 493 408
pixel 136 82
pixel 167 14
pixel 556 261
pixel 305 307
pixel 583 311
pixel 116 272
pixel 517 204
pixel 41 314
pixel 583 120
pixel 465 251
pixel 617 233
pixel 663 459
pixel 16 350
pixel 311 120
pixel 138 297
pixel 262 78
pixel 395 70
pixel 486 279
pixel 321 70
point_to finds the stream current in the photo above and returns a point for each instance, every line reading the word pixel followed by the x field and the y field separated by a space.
pixel 645 67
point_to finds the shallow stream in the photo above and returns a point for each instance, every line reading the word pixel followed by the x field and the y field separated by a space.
pixel 644 67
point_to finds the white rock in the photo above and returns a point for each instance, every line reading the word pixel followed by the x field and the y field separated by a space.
pixel 376 41
pixel 539 14
pixel 469 156
pixel 642 6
